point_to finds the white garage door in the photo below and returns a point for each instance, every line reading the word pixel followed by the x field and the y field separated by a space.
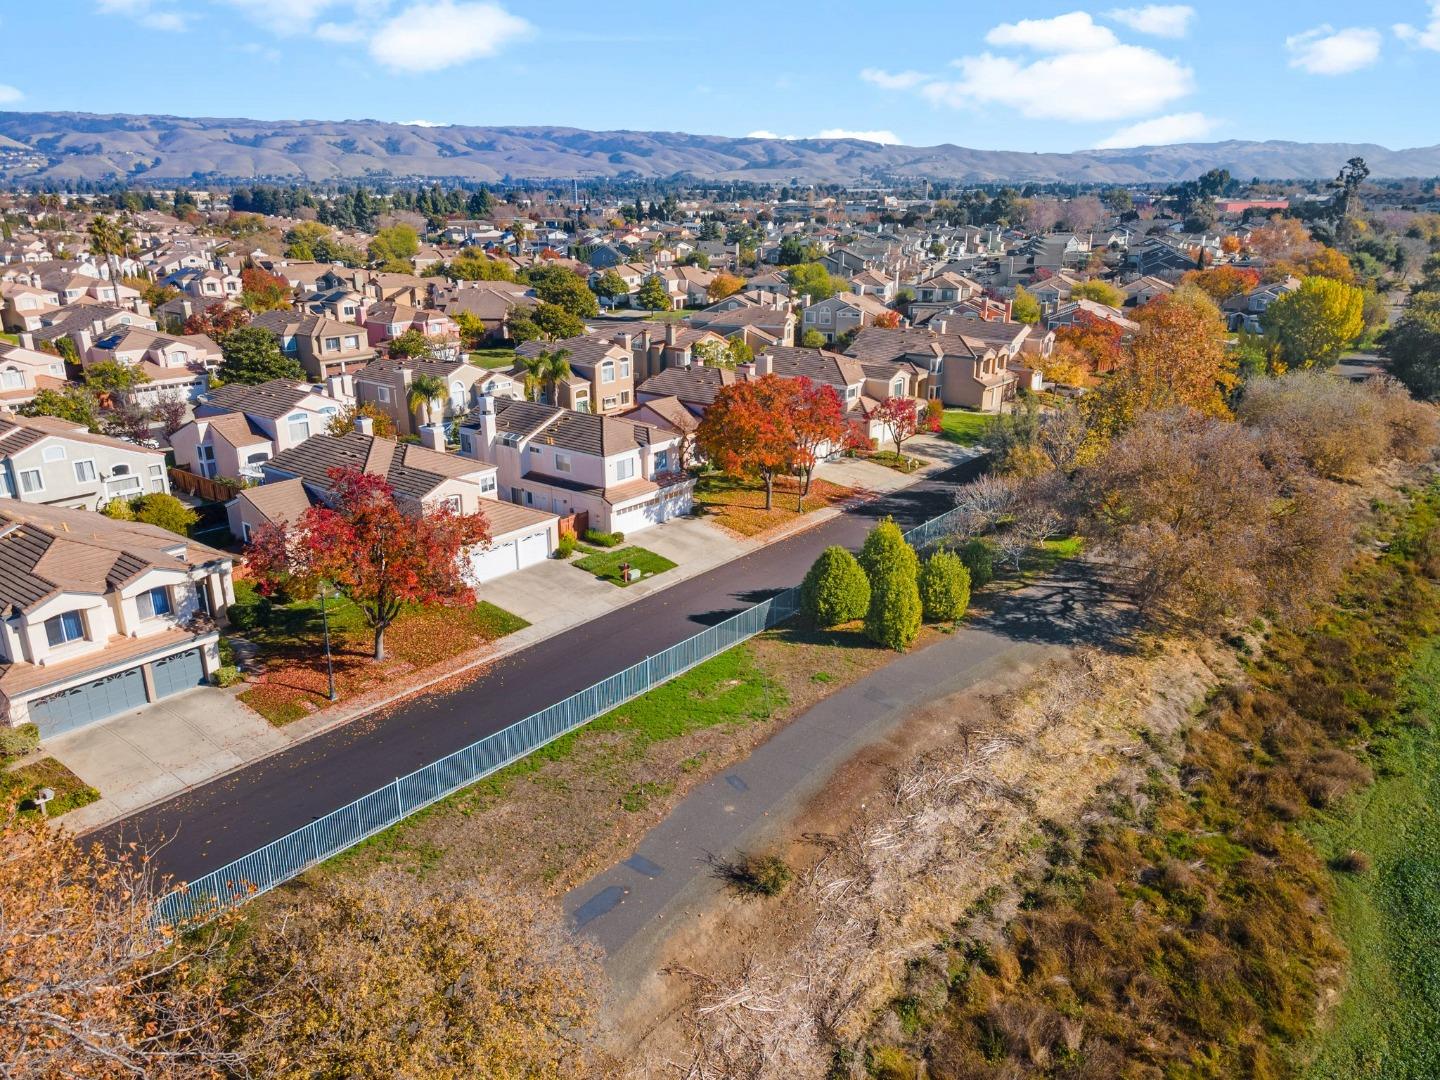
pixel 498 560
pixel 533 549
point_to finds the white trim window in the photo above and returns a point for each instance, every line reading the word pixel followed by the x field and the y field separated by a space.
pixel 85 471
pixel 607 372
pixel 64 628
pixel 625 468
pixel 562 462
pixel 53 453
pixel 154 603
pixel 298 427
pixel 32 481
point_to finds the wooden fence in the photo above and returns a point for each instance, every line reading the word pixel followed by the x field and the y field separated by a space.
pixel 202 486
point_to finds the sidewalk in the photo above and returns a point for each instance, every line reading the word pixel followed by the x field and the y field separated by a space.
pixel 155 753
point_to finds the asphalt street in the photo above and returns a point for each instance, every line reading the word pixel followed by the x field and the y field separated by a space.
pixel 212 825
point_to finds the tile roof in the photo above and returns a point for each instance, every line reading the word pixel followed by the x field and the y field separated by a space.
pixel 271 400
pixel 281 502
pixel 411 470
pixel 47 550
pixel 698 383
pixel 18 432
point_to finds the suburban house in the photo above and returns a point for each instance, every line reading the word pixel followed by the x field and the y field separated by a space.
pixel 971 363
pixel 98 617
pixel 237 427
pixel 1144 289
pixel 1157 256
pixel 25 372
pixel 1247 311
pixel 860 385
pixel 387 320
pixel 171 365
pixel 625 476
pixel 758 325
pixel 46 460
pixel 492 302
pixel 841 314
pixel 520 536
pixel 1051 251
pixel 1068 314
pixel 694 387
pixel 386 385
pixel 946 287
pixel 323 346
pixel 602 376
pixel 26 306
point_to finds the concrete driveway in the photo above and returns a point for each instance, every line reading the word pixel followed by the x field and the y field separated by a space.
pixel 160 750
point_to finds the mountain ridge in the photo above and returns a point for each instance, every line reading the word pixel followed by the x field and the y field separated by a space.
pixel 61 147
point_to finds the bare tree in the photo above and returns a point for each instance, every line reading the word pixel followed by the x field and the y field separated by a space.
pixel 985 501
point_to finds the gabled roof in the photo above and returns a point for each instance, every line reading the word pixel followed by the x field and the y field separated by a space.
pixel 411 470
pixel 49 550
pixel 697 384
pixel 817 365
pixel 584 433
pixel 271 400
pixel 19 432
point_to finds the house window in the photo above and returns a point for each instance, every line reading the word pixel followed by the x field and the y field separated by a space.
pixel 562 462
pixel 84 471
pixel 60 629
pixel 6 489
pixel 453 502
pixel 487 483
pixel 851 393
pixel 352 342
pixel 466 445
pixel 624 369
pixel 156 471
pixel 31 481
pixel 153 603
pixel 287 344
pixel 299 427
pixel 53 453
pixel 662 461
pixel 607 372
pixel 624 468
pixel 123 485
pixel 332 344
pixel 13 379
pixel 624 397
pixel 382 393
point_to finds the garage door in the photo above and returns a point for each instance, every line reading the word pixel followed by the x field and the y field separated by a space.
pixel 86 704
pixel 533 549
pixel 493 562
pixel 179 672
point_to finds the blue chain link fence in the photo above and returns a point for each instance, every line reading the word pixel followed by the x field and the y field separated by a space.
pixel 281 860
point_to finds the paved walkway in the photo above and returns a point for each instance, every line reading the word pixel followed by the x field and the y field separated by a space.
pixel 630 908
pixel 164 750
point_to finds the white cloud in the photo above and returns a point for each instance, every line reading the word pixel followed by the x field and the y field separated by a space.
pixel 9 95
pixel 1424 37
pixel 1327 51
pixel 148 13
pixel 884 138
pixel 285 18
pixel 1114 83
pixel 423 123
pixel 1062 34
pixel 435 34
pixel 340 33
pixel 1162 20
pixel 896 80
pixel 1160 131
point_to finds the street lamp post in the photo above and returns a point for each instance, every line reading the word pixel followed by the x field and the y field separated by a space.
pixel 325 622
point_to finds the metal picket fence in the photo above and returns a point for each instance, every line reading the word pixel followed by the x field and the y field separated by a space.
pixel 281 860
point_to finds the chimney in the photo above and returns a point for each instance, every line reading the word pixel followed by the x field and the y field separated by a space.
pixel 485 411
pixel 764 364
pixel 432 437
pixel 365 425
pixel 942 326
pixel 671 332
pixel 626 340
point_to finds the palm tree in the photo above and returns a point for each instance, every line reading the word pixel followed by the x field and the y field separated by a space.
pixel 554 369
pixel 425 392
pixel 534 374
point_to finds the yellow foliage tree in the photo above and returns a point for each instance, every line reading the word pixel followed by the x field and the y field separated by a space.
pixel 1313 325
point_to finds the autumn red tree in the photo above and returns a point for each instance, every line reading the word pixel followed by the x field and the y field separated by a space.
pixel 377 554
pixel 900 418
pixel 819 422
pixel 216 320
pixel 263 291
pixel 749 429
pixel 889 320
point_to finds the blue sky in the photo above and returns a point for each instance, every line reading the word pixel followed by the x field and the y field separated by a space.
pixel 1027 76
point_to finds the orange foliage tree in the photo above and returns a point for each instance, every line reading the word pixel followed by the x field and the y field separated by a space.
pixel 749 430
pixel 819 422
pixel 1223 282
pixel 383 558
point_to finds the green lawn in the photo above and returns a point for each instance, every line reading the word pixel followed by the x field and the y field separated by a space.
pixel 605 565
pixel 12 339
pixel 667 316
pixel 17 786
pixel 493 358
pixel 964 426
pixel 1389 915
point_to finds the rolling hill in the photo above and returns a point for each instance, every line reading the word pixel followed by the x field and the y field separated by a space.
pixel 66 147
